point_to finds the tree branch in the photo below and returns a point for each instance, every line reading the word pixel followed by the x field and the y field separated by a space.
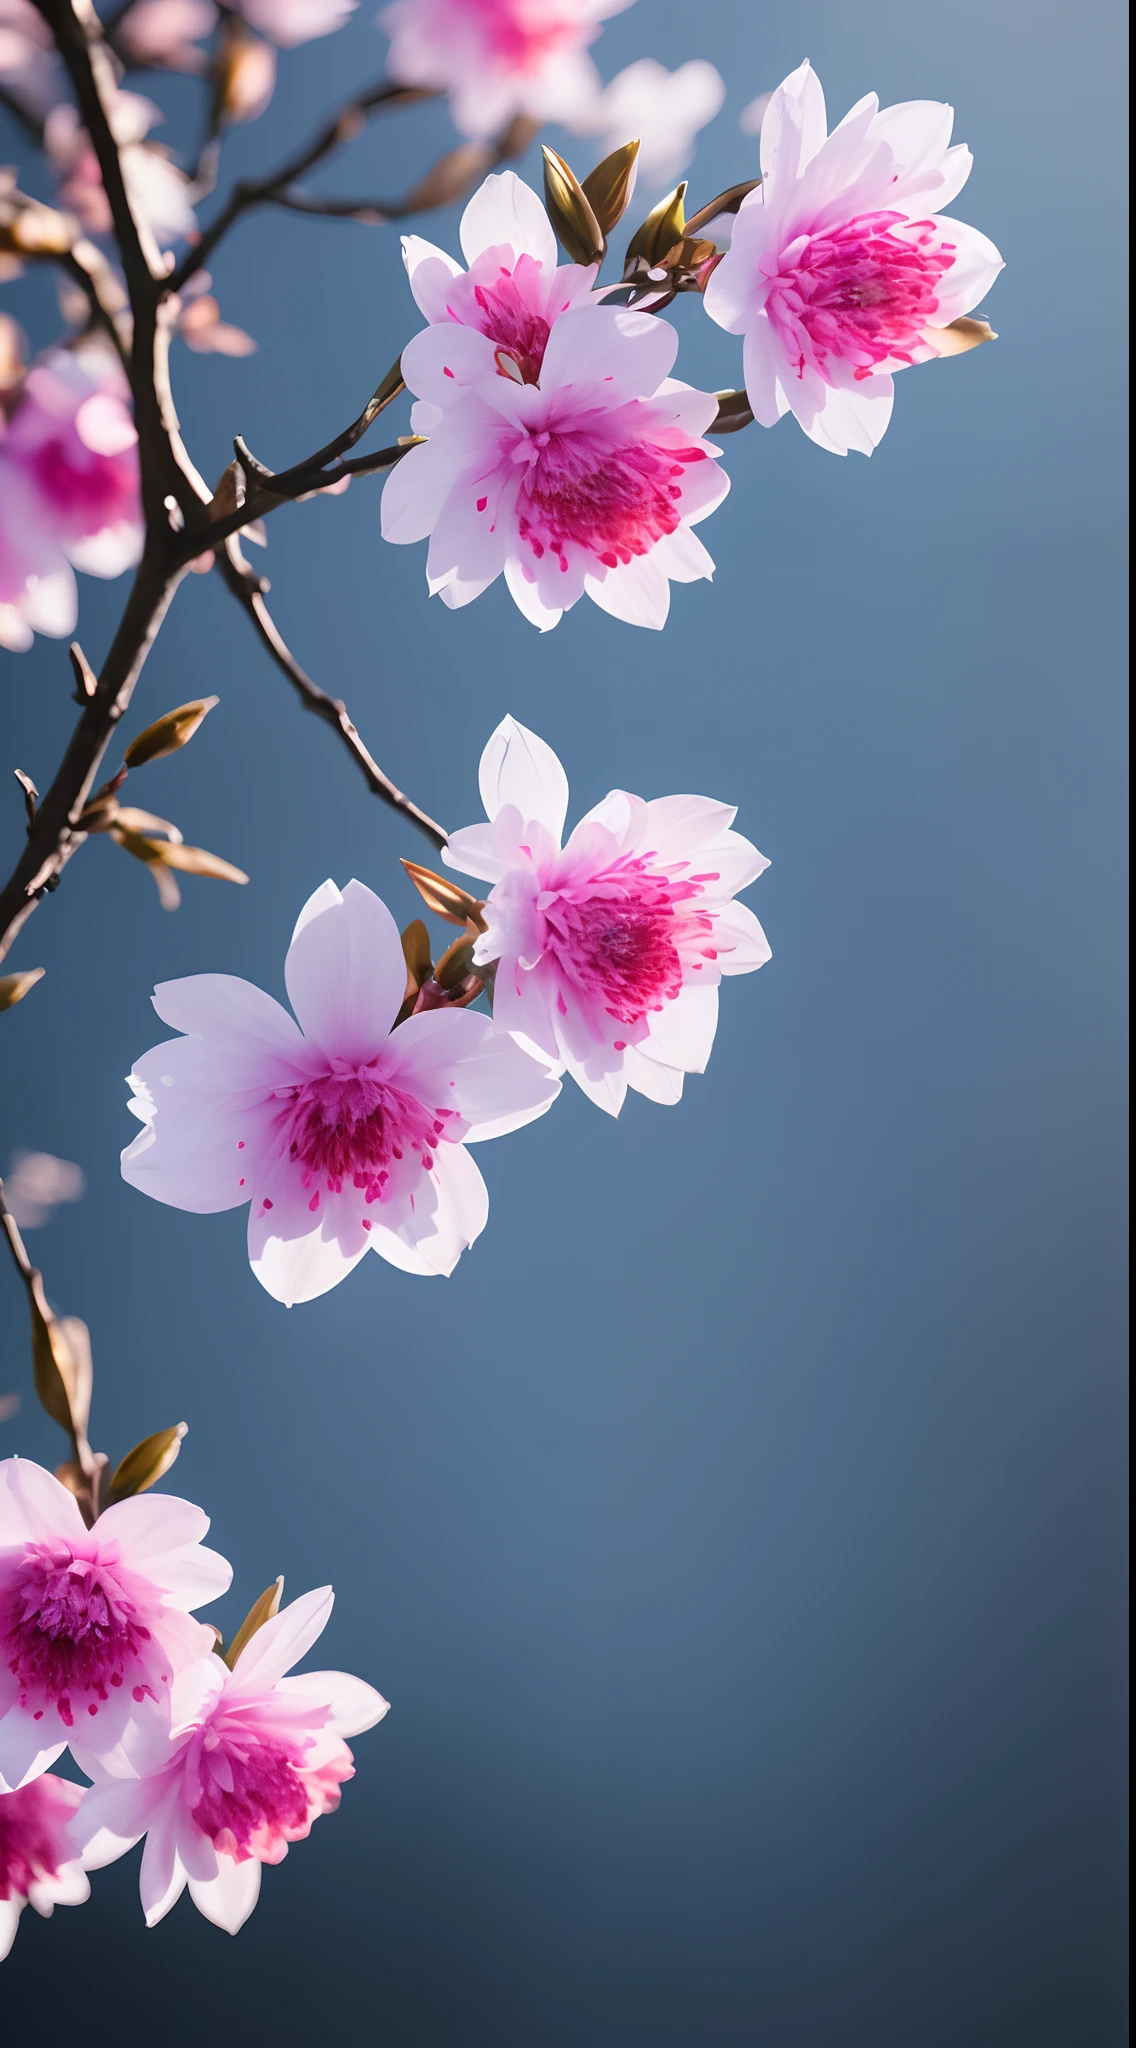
pixel 341 129
pixel 246 587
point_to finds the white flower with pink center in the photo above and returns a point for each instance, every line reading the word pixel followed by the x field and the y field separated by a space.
pixel 38 1863
pixel 513 290
pixel 252 1759
pixel 841 267
pixel 570 462
pixel 95 1624
pixel 498 58
pixel 69 488
pixel 609 949
pixel 342 1133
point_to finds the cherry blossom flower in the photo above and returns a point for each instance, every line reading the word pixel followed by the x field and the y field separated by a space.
pixel 69 491
pixel 609 950
pixel 251 1760
pixel 569 460
pixel 38 1863
pixel 342 1133
pixel 513 291
pixel 95 1624
pixel 158 192
pixel 28 62
pixel 837 274
pixel 166 32
pixel 498 58
pixel 288 22
pixel 665 109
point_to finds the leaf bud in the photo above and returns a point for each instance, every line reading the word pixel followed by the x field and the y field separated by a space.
pixel 146 1463
pixel 14 987
pixel 609 187
pixel 169 733
pixel 570 211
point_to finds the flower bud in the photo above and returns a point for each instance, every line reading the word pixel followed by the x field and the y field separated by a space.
pixel 262 1610
pixel 577 229
pixel 148 1462
pixel 167 734
pixel 14 987
pixel 609 187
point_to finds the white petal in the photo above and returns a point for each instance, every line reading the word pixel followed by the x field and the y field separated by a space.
pixel 462 1211
pixel 474 851
pixel 683 1036
pixel 517 767
pixel 228 1899
pixel 161 1880
pixel 284 1640
pixel 764 369
pixel 523 591
pixel 444 362
pixel 223 1008
pixel 10 1910
pixel 53 605
pixel 431 272
pixel 297 1252
pixel 416 490
pixel 677 827
pixel 505 210
pixel 976 265
pixel 637 592
pixel 741 944
pixel 628 354
pixel 682 557
pixel 345 972
pixel 112 1817
pixel 198 1145
pixel 35 1507
pixel 794 128
pixel 160 1536
pixel 355 1706
pixel 650 1078
pixel 607 1091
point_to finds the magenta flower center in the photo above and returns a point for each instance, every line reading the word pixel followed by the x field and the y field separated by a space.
pixel 590 489
pixel 860 293
pixel 89 491
pixel 30 1835
pixel 615 936
pixel 68 1627
pixel 504 314
pixel 248 1787
pixel 353 1126
pixel 523 34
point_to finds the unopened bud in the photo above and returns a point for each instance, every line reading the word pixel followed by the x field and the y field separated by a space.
pixel 664 226
pixel 609 187
pixel 168 734
pixel 148 1462
pixel 444 897
pixel 14 987
pixel 262 1610
pixel 570 211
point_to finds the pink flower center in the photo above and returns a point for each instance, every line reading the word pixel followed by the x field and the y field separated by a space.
pixel 88 491
pixel 615 936
pixel 588 488
pixel 249 1790
pixel 68 1626
pixel 504 314
pixel 30 1838
pixel 521 35
pixel 352 1125
pixel 860 293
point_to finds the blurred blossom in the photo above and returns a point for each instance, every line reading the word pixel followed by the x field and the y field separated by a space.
pixel 837 274
pixel 752 116
pixel 36 1185
pixel 609 950
pixel 344 1133
pixel 561 454
pixel 95 1624
pixel 202 328
pixel 28 63
pixel 665 109
pixel 246 78
pixel 288 22
pixel 166 32
pixel 251 1760
pixel 69 495
pixel 498 58
pixel 157 190
pixel 39 1864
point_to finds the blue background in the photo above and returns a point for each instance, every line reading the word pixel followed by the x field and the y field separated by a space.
pixel 737 1534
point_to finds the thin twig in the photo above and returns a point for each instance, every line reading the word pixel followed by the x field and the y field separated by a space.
pixel 262 498
pixel 245 585
pixel 29 122
pixel 343 127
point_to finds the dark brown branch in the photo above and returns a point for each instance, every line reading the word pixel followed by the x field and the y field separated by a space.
pixel 245 585
pixel 342 128
pixel 261 499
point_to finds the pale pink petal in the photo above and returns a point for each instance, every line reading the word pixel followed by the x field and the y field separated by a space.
pixel 296 1251
pixel 518 767
pixel 416 490
pixel 198 1151
pixel 972 273
pixel 764 370
pixel 462 1210
pixel 10 1910
pixel 113 1817
pixel 354 1705
pixel 650 1078
pixel 683 1035
pixel 523 591
pixel 627 354
pixel 35 1507
pixel 229 1898
pixel 161 1880
pixel 222 1007
pixel 794 127
pixel 345 971
pixel 24 1754
pixel 506 211
pixel 282 1642
pixel 637 592
pixel 474 851
pixel 607 1090
pixel 150 1525
pixel 443 362
pixel 676 826
pixel 741 944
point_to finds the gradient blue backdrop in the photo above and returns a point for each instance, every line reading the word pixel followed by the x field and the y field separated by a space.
pixel 737 1533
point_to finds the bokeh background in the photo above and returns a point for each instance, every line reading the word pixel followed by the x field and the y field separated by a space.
pixel 737 1534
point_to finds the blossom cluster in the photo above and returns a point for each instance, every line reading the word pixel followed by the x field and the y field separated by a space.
pixel 219 1767
pixel 344 1128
